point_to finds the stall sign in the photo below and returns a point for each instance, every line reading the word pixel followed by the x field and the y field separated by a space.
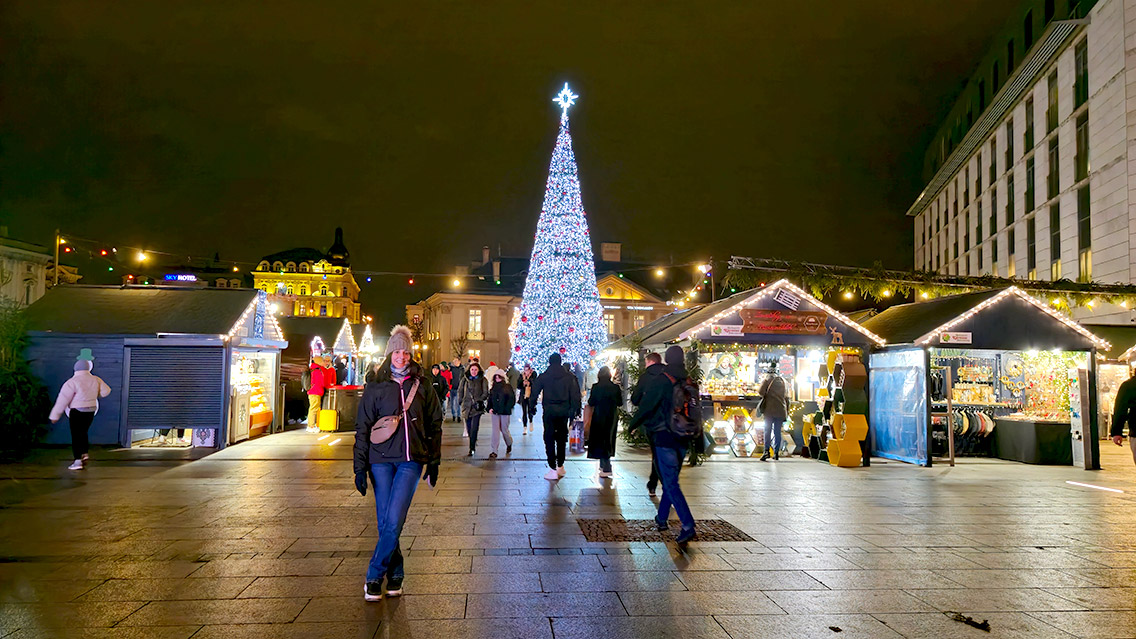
pixel 949 337
pixel 784 322
pixel 725 330
pixel 787 366
pixel 787 299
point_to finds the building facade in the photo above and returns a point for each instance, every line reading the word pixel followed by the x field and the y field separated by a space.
pixel 23 270
pixel 1030 176
pixel 472 317
pixel 306 282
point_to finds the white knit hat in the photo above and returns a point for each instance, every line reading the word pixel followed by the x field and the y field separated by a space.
pixel 400 340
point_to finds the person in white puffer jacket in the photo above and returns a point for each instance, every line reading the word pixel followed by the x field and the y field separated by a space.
pixel 79 401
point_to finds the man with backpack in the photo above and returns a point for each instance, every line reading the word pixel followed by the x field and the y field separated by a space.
pixel 561 403
pixel 668 410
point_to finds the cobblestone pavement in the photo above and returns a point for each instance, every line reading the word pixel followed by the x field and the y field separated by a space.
pixel 268 539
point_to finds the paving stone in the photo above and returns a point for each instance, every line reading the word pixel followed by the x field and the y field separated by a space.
pixel 1003 625
pixel 1097 598
pixel 610 581
pixel 561 604
pixel 20 590
pixel 268 567
pixel 541 564
pixel 680 562
pixel 995 599
pixel 499 628
pixel 167 589
pixel 881 579
pixel 330 630
pixel 810 626
pixel 796 602
pixel 1092 625
pixel 698 603
pixel 1043 578
pixel 34 616
pixel 409 607
pixel 221 611
pixel 637 627
pixel 164 632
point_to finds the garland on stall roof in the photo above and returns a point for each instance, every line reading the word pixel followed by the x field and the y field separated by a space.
pixel 879 284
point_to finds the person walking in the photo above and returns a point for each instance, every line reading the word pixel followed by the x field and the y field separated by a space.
pixel 438 381
pixel 457 373
pixel 1124 412
pixel 513 376
pixel 655 414
pixel 321 377
pixel 474 393
pixel 491 372
pixel 528 402
pixel 605 398
pixel 502 399
pixel 651 359
pixel 561 403
pixel 774 405
pixel 394 465
pixel 79 401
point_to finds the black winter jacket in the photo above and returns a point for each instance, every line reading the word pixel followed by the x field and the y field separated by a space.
pixel 441 386
pixel 1124 411
pixel 653 396
pixel 502 399
pixel 381 398
pixel 561 392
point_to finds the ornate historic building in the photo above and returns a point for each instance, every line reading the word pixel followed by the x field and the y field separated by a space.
pixel 306 282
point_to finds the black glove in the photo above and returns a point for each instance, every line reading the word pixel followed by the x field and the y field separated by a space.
pixel 431 475
pixel 361 482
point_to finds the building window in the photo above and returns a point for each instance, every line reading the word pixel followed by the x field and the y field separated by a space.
pixel 1028 136
pixel 639 322
pixel 234 283
pixel 1084 235
pixel 993 210
pixel 1009 198
pixel 304 289
pixel 1009 57
pixel 222 283
pixel 278 266
pixel 978 175
pixel 1051 109
pixel 993 161
pixel 29 292
pixel 1054 181
pixel 475 320
pixel 609 322
pixel 290 267
pixel 263 266
pixel 1055 241
pixel 1011 238
pixel 981 261
pixel 475 353
pixel 344 292
pixel 1081 82
pixel 323 310
pixel 1048 11
pixel 290 290
pixel 1030 201
pixel 979 235
pixel 966 186
pixel 323 290
pixel 1031 247
pixel 1027 29
pixel 1010 144
pixel 966 232
pixel 994 256
pixel 304 268
pixel 1081 159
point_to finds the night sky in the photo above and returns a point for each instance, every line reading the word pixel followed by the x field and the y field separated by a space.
pixel 790 130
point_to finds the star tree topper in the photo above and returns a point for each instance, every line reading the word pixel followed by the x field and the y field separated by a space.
pixel 565 99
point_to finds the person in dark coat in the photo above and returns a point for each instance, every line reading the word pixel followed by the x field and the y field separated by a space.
pixel 395 465
pixel 655 405
pixel 474 395
pixel 527 399
pixel 1124 412
pixel 457 374
pixel 774 393
pixel 651 359
pixel 561 403
pixel 438 381
pixel 502 399
pixel 605 399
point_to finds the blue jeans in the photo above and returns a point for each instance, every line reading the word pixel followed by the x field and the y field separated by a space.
pixel 472 424
pixel 773 434
pixel 455 405
pixel 669 462
pixel 395 483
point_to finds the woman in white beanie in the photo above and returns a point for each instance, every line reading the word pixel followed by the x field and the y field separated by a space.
pixel 79 400
pixel 398 433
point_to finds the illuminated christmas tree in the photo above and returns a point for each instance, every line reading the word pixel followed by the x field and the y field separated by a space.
pixel 560 311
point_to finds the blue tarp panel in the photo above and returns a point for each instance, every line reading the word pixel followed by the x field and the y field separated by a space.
pixel 898 405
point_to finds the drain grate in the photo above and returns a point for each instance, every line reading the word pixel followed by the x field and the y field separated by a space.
pixel 644 530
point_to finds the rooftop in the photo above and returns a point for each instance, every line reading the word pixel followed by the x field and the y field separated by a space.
pixel 138 310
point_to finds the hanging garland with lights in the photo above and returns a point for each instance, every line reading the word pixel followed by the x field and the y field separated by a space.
pixel 879 284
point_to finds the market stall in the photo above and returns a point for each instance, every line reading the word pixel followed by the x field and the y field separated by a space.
pixel 1114 366
pixel 817 350
pixel 987 374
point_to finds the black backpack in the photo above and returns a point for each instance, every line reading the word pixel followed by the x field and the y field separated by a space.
pixel 686 416
pixel 306 379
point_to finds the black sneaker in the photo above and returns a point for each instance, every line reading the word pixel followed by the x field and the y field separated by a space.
pixel 684 536
pixel 373 591
pixel 651 488
pixel 661 527
pixel 492 455
pixel 508 450
pixel 394 586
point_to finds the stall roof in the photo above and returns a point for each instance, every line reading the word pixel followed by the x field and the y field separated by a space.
pixel 139 310
pixel 920 322
pixel 681 324
pixel 1122 338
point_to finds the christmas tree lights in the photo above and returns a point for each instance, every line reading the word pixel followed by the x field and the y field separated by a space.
pixel 560 311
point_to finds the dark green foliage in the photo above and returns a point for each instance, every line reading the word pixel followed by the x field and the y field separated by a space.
pixel 24 402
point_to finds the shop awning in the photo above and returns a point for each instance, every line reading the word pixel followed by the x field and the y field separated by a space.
pixel 1009 318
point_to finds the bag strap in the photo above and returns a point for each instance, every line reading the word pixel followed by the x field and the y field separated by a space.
pixel 405 406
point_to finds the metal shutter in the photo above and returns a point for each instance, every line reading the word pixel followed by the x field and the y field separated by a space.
pixel 175 386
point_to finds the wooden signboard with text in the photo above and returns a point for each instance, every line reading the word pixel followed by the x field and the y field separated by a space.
pixel 759 320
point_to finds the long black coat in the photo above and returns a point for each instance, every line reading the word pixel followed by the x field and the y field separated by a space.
pixel 605 400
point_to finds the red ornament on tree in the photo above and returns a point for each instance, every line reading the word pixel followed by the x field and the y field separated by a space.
pixel 563 350
pixel 592 352
pixel 571 329
pixel 517 348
